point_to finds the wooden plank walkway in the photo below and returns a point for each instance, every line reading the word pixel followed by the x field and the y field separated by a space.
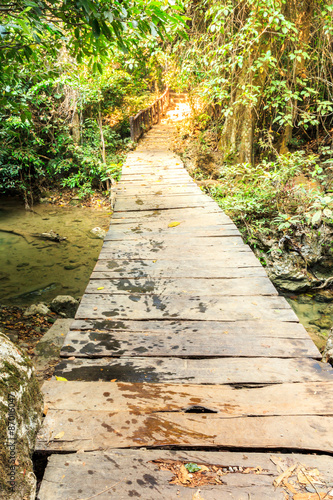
pixel 182 345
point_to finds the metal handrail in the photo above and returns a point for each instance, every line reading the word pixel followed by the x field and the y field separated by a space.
pixel 145 119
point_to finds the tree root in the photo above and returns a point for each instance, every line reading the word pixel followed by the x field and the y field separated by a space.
pixel 324 285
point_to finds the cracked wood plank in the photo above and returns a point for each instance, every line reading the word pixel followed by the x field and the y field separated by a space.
pixel 238 371
pixel 132 474
pixel 188 286
pixel 99 430
pixel 99 344
pixel 181 307
pixel 185 268
pixel 256 328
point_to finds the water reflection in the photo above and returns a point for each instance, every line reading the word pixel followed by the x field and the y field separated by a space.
pixel 32 269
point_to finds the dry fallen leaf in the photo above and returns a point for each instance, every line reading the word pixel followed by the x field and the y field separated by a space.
pixel 308 477
pixel 287 473
pixel 289 487
pixel 203 468
pixel 59 435
pixel 312 496
pixel 183 475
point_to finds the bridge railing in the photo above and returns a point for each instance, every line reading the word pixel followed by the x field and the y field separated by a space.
pixel 145 119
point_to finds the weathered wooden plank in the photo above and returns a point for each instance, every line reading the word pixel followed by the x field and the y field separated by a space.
pixel 166 234
pixel 178 177
pixel 171 214
pixel 163 241
pixel 172 226
pixel 151 170
pixel 205 221
pixel 230 250
pixel 308 398
pixel 190 217
pixel 153 229
pixel 187 241
pixel 262 329
pixel 98 344
pixel 183 307
pixel 125 205
pixel 153 195
pixel 189 286
pixel 133 474
pixel 99 430
pixel 210 221
pixel 232 253
pixel 160 183
pixel 184 268
pixel 237 371
pixel 157 190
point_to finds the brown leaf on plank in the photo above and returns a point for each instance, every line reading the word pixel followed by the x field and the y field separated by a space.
pixel 308 476
pixel 290 487
pixel 183 475
pixel 287 473
pixel 312 496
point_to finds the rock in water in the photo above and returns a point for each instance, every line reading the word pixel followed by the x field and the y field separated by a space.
pixel 65 305
pixel 328 351
pixel 37 309
pixel 21 408
pixel 98 232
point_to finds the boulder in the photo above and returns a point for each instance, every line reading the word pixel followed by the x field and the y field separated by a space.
pixel 34 309
pixel 65 305
pixel 324 296
pixel 21 409
pixel 289 278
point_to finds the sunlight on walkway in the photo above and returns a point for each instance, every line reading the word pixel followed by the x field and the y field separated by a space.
pixel 181 111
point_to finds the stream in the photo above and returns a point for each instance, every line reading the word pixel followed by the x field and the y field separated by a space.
pixel 315 312
pixel 34 270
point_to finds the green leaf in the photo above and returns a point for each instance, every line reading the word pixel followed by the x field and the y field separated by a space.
pixel 316 217
pixel 191 467
pixel 96 28
pixel 109 16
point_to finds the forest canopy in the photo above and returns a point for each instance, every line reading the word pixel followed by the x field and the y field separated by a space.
pixel 258 73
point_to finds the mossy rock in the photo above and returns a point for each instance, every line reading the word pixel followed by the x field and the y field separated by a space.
pixel 21 408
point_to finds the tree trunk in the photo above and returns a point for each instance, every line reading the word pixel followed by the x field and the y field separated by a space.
pixel 102 135
pixel 236 140
pixel 76 127
pixel 299 12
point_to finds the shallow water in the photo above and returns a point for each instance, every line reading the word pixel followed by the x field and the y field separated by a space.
pixel 315 315
pixel 34 270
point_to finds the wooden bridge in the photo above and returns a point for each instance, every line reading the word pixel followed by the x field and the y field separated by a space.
pixel 182 352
